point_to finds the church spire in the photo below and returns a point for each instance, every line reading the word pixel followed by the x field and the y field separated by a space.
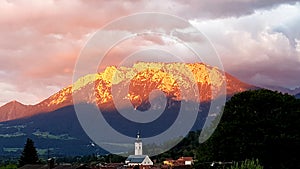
pixel 138 135
pixel 138 145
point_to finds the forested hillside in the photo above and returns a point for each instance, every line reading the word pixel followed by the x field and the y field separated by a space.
pixel 258 124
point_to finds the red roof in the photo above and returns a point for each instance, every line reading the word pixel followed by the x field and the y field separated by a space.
pixel 185 159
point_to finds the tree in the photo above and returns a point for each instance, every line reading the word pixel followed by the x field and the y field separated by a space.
pixel 29 154
pixel 247 164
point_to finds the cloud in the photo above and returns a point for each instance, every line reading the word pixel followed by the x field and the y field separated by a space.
pixel 40 41
pixel 252 48
pixel 10 93
pixel 222 9
pixel 290 28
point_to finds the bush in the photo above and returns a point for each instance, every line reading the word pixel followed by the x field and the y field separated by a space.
pixel 9 166
pixel 247 164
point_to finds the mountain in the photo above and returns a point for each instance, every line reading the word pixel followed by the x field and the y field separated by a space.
pixel 13 110
pixel 282 89
pixel 58 131
pixel 141 79
pixel 297 96
pixel 53 122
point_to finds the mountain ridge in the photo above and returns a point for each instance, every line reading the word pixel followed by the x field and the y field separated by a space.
pixel 294 91
pixel 141 79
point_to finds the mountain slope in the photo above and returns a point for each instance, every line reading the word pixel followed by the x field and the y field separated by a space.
pixel 141 79
pixel 61 133
pixel 13 110
pixel 58 131
pixel 297 96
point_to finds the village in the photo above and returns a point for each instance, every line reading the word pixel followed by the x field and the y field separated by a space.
pixel 136 161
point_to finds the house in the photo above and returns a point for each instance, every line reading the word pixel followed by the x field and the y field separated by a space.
pixel 169 162
pixel 182 161
pixel 185 161
pixel 138 158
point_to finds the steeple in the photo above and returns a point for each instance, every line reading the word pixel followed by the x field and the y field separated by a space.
pixel 138 146
pixel 138 135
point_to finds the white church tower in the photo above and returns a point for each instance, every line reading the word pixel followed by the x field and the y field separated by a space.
pixel 138 147
pixel 138 158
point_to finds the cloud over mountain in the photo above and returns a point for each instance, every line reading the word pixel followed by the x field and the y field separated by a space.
pixel 40 41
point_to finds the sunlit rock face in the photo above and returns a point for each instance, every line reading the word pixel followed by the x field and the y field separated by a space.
pixel 134 85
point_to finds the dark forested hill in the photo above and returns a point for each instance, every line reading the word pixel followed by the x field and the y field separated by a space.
pixel 257 124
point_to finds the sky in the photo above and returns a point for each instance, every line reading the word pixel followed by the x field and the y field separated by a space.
pixel 257 41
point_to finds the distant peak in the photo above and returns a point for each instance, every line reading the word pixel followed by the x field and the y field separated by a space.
pixel 13 102
pixel 16 102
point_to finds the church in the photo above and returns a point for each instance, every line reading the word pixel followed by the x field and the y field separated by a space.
pixel 138 158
